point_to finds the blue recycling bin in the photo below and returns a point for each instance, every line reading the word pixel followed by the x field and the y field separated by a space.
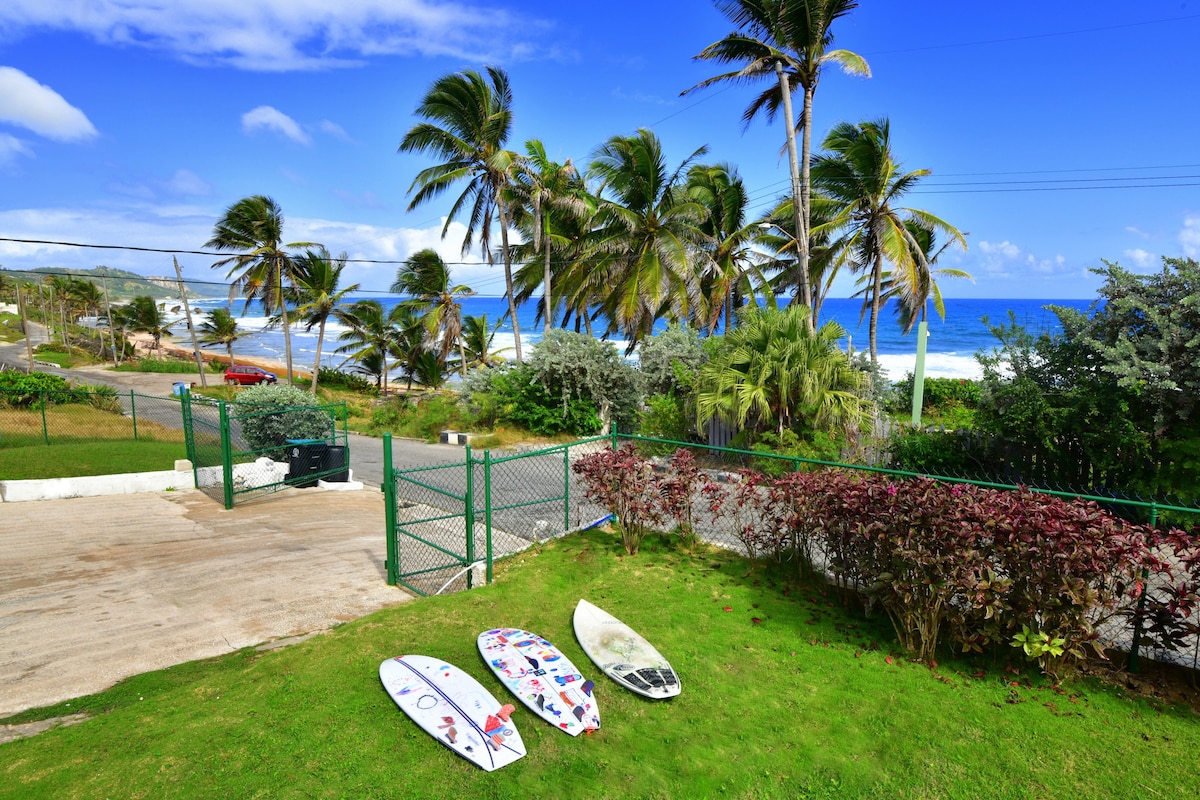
pixel 179 389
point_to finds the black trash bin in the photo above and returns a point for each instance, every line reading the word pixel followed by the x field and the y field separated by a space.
pixel 333 466
pixel 306 457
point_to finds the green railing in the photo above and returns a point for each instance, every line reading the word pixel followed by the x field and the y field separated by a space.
pixel 44 417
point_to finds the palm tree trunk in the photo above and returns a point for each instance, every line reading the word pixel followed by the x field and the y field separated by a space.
pixel 508 280
pixel 317 365
pixel 287 335
pixel 806 200
pixel 876 290
pixel 549 302
pixel 798 195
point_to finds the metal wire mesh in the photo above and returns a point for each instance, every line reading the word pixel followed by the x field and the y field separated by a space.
pixel 31 419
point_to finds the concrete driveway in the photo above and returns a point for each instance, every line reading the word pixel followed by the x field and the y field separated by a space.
pixel 96 589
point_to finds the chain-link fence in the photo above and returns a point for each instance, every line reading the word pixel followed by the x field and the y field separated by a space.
pixel 37 418
pixel 448 522
pixel 242 451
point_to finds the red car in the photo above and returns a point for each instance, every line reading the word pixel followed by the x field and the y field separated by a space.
pixel 243 376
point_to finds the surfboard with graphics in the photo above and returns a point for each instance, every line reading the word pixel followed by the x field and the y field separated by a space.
pixel 453 708
pixel 623 654
pixel 542 678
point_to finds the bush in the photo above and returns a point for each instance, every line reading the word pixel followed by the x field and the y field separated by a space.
pixel 424 419
pixel 665 417
pixel 514 394
pixel 271 414
pixel 21 389
pixel 577 367
pixel 670 360
pixel 627 486
pixel 929 452
pixel 172 366
pixel 336 379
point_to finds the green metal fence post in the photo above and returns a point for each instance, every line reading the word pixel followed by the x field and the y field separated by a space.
pixel 389 512
pixel 567 488
pixel 469 517
pixel 613 431
pixel 487 508
pixel 1141 606
pixel 45 430
pixel 133 416
pixel 226 457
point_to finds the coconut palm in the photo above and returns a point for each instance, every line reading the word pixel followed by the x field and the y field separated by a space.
pixel 221 328
pixel 917 289
pixel 787 42
pixel 647 236
pixel 477 342
pixel 317 294
pixel 826 249
pixel 730 272
pixel 467 121
pixel 544 192
pixel 425 279
pixel 262 269
pixel 773 371
pixel 144 315
pixel 859 173
pixel 371 334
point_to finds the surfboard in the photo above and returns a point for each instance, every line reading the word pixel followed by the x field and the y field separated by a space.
pixel 453 708
pixel 624 655
pixel 542 678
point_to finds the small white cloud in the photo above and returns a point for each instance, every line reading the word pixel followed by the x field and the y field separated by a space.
pixel 31 105
pixel 186 182
pixel 334 130
pixel 273 120
pixel 367 199
pixel 11 147
pixel 1006 249
pixel 1189 237
pixel 1140 258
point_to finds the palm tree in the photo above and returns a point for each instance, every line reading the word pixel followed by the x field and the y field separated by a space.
pixel 468 120
pixel 253 228
pixel 372 334
pixel 786 41
pixel 773 371
pixel 544 192
pixel 918 288
pixel 859 174
pixel 647 236
pixel 221 328
pixel 730 273
pixel 425 279
pixel 477 342
pixel 143 315
pixel 317 294
pixel 826 249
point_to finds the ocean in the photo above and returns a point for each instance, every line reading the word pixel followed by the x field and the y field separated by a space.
pixel 950 348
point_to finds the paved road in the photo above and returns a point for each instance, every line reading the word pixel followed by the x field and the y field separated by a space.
pixel 366 452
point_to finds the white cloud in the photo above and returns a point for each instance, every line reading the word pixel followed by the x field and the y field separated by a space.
pixel 31 105
pixel 1006 249
pixel 186 182
pixel 1140 258
pixel 11 147
pixel 272 119
pixel 334 130
pixel 303 34
pixel 1189 237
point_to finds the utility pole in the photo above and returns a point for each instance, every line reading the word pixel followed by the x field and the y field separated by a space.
pixel 191 328
pixel 25 328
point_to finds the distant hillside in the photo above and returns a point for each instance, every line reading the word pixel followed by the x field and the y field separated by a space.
pixel 123 285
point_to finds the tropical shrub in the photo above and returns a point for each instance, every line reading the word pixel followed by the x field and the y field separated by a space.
pixel 679 488
pixel 669 361
pixel 665 416
pixel 19 389
pixel 575 366
pixel 336 379
pixel 513 394
pixel 271 414
pixel 931 452
pixel 625 484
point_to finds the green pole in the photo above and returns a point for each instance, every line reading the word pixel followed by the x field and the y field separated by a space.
pixel 567 488
pixel 487 508
pixel 918 398
pixel 389 512
pixel 226 457
pixel 133 416
pixel 469 517
pixel 45 430
pixel 1141 609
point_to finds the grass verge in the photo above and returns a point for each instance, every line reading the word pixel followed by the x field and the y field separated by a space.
pixel 784 695
pixel 79 458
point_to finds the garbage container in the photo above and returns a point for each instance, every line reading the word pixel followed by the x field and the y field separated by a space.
pixel 306 457
pixel 334 464
pixel 179 389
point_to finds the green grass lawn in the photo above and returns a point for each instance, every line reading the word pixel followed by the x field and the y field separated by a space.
pixel 809 701
pixel 74 459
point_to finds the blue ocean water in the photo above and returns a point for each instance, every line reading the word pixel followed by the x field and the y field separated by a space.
pixel 950 348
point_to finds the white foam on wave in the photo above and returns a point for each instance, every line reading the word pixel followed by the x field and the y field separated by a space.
pixel 937 365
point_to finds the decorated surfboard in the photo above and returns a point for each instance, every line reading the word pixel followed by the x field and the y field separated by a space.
pixel 453 708
pixel 542 678
pixel 622 654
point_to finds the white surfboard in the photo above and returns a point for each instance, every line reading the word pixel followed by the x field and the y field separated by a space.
pixel 542 678
pixel 622 654
pixel 453 708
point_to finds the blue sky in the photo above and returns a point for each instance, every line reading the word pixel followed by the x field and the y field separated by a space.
pixel 123 124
